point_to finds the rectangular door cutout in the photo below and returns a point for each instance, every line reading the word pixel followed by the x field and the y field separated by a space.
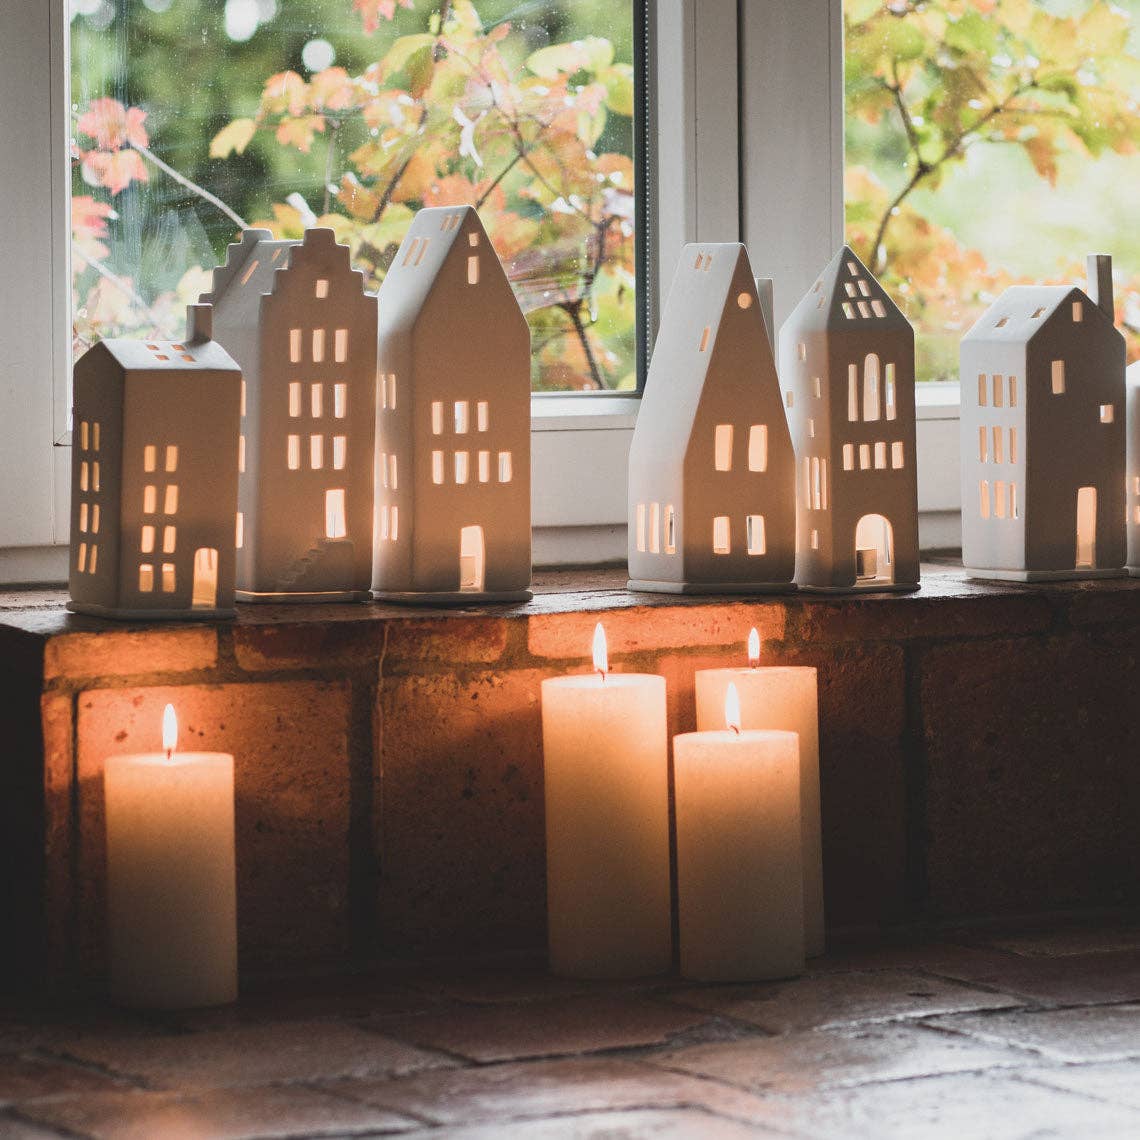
pixel 205 593
pixel 335 519
pixel 721 543
pixel 472 559
pixel 1086 528
pixel 757 543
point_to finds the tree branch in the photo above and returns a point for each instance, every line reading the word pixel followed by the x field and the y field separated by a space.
pixel 192 186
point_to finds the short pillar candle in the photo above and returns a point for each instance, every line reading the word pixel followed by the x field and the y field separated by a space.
pixel 740 895
pixel 171 892
pixel 605 759
pixel 785 698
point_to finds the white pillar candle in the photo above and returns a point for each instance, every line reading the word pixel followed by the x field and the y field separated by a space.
pixel 171 892
pixel 786 698
pixel 740 892
pixel 605 758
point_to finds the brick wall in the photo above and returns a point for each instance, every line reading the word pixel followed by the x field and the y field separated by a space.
pixel 979 755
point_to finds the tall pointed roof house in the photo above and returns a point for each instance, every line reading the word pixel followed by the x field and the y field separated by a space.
pixel 711 468
pixel 847 372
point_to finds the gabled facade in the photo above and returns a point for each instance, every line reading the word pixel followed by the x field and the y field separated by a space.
pixel 452 478
pixel 847 375
pixel 1043 434
pixel 154 478
pixel 296 317
pixel 1132 490
pixel 711 467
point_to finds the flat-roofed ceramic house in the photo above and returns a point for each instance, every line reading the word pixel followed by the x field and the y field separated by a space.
pixel 1043 434
pixel 154 477
pixel 847 373
pixel 711 467
pixel 297 318
pixel 1132 491
pixel 452 483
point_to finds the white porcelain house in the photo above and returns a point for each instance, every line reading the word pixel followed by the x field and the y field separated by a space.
pixel 154 477
pixel 297 318
pixel 847 373
pixel 452 481
pixel 1043 434
pixel 711 467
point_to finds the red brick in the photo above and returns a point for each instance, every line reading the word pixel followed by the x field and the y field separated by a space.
pixel 59 762
pixel 290 744
pixel 461 831
pixel 130 652
pixel 309 645
pixel 570 636
pixel 446 642
pixel 1032 788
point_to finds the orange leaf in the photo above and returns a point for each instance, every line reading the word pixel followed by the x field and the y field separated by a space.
pixel 112 125
pixel 372 10
pixel 114 169
pixel 299 132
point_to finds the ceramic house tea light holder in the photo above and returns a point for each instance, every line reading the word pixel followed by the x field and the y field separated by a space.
pixel 847 372
pixel 711 467
pixel 452 478
pixel 296 316
pixel 1044 494
pixel 1132 494
pixel 154 478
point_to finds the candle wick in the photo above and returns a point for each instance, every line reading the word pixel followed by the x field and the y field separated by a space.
pixel 735 728
pixel 169 755
pixel 602 674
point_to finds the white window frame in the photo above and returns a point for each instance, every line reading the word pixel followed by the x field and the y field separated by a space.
pixel 728 166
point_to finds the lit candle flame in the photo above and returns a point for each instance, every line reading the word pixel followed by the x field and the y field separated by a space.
pixel 732 708
pixel 753 648
pixel 601 656
pixel 169 730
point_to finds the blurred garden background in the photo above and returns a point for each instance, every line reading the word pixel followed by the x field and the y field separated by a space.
pixel 990 143
pixel 193 117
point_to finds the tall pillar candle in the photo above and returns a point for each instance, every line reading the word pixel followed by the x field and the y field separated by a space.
pixel 607 822
pixel 740 894
pixel 785 698
pixel 171 893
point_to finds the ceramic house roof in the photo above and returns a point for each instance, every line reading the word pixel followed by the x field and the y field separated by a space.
pixel 1022 311
pixel 253 264
pixel 688 367
pixel 169 356
pixel 847 297
pixel 434 234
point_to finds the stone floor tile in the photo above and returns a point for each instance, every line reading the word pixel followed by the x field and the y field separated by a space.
pixel 531 982
pixel 1118 1082
pixel 822 1000
pixel 16 1128
pixel 487 1093
pixel 217 1114
pixel 252 1055
pixel 647 1124
pixel 962 1106
pixel 1067 979
pixel 579 1024
pixel 829 1058
pixel 1102 1033
pixel 949 958
pixel 27 1077
pixel 1078 940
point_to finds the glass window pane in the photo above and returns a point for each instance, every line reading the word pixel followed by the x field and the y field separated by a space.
pixel 990 145
pixel 355 115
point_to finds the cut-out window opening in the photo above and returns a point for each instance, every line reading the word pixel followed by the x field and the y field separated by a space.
pixel 1013 507
pixel 758 447
pixel 1078 312
pixel 393 481
pixel 169 580
pixel 340 401
pixel 817 387
pixel 891 394
pixel 169 539
pixel 1013 445
pixel 670 530
pixel 170 500
pixel 95 519
pixel 1002 323
pixel 340 346
pixel 336 525
pixel 880 455
pixel 654 528
pixel 171 458
pixel 998 432
pixel 484 467
pixel 983 390
pixel 1013 391
pixel 394 535
pixel 801 350
pixel 722 450
pixel 294 399
pixel 81 558
pixel 999 499
pixel 437 417
pixel 984 504
pixel 318 346
pixel 815 540
pixel 150 499
pixel 1107 413
pixel 878 308
pixel 482 413
pixel 721 536
pixel 95 475
pixel 317 401
pixel 472 239
pixel 897 455
pixel 391 391
pixel 999 391
pixel 461 417
pixel 704 338
pixel 294 346
pixel 864 457
pixel 146 541
pixel 811 428
pixel 852 269
pixel 150 458
pixel 473 269
pixel 1040 312
pixel 641 528
pixel 83 435
pixel 864 309
pixel 853 393
pixel 871 409
pixel 849 286
pixel 146 578
pixel 849 310
pixel 340 452
pixel 757 541
pixel 983 445
pixel 239 531
pixel 293 452
pixel 848 457
pixel 384 469
pixel 316 452
pixel 1058 377
pixel 83 517
pixel 95 436
pixel 413 249
pixel 251 269
pixel 322 288
pixel 462 467
pixel 807 483
pixel 789 399
pixel 744 300
pixel 436 468
pixel 504 466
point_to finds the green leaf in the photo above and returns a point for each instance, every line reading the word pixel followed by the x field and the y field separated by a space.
pixel 232 138
pixel 403 49
pixel 592 54
pixel 618 82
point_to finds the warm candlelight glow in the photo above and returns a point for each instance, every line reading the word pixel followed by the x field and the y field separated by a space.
pixel 169 730
pixel 754 648
pixel 732 707
pixel 601 656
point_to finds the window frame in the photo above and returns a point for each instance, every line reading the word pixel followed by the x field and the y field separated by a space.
pixel 724 71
